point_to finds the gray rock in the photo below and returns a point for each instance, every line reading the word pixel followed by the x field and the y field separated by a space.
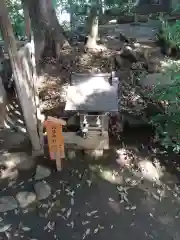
pixel 128 52
pixel 26 165
pixel 43 190
pixel 11 173
pixel 16 159
pixel 8 203
pixel 25 198
pixel 42 172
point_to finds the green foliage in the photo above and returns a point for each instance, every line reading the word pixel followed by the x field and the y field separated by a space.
pixel 176 9
pixel 17 18
pixel 167 123
pixel 117 8
pixel 171 32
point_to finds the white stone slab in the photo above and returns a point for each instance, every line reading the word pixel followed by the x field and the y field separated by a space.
pixel 94 94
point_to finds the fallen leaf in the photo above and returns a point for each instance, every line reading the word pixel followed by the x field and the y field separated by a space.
pixel 16 211
pixel 68 213
pixel 72 201
pixel 69 192
pixel 89 182
pixel 100 227
pixel 50 226
pixel 58 191
pixel 71 224
pixel 63 210
pixel 125 198
pixel 87 232
pixel 96 230
pixel 85 222
pixel 26 229
pixel 60 215
pixel 54 196
pixel 89 214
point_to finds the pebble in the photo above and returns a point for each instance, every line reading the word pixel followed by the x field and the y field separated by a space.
pixel 25 198
pixel 43 190
pixel 42 172
pixel 8 203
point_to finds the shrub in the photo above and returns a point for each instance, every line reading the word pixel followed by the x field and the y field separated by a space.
pixel 167 122
pixel 170 33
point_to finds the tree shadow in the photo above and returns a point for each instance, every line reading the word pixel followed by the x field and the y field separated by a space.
pixel 82 199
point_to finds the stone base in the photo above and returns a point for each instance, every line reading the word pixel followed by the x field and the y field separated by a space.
pixel 93 141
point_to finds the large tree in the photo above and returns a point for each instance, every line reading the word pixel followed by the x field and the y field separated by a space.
pixel 92 27
pixel 48 34
pixel 27 20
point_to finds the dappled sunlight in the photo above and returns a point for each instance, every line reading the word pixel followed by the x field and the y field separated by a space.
pixel 141 167
pixel 170 64
pixel 13 162
pixel 88 88
pixel 148 171
pixel 107 174
pixel 142 45
pixel 91 94
pixel 14 117
pixel 9 173
pixel 111 176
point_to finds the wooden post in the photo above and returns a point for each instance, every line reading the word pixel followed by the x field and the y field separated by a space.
pixel 55 140
pixel 24 81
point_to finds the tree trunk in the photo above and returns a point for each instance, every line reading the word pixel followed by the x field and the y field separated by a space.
pixel 24 81
pixel 3 102
pixel 93 28
pixel 27 20
pixel 71 11
pixel 48 34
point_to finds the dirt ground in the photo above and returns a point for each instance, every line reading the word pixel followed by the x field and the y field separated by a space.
pixel 90 199
pixel 96 199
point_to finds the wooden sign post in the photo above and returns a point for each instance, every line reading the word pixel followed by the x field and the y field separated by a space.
pixel 55 140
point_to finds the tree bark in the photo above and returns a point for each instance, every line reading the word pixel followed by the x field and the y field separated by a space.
pixel 23 76
pixel 48 34
pixel 71 11
pixel 27 20
pixel 93 28
pixel 3 102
